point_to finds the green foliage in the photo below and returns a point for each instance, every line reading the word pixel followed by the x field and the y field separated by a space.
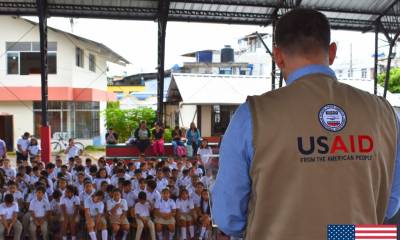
pixel 167 135
pixel 124 122
pixel 394 80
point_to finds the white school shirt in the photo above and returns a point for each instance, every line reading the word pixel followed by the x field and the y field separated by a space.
pixel 135 184
pixel 33 179
pixel 184 206
pixel 94 208
pixel 130 198
pixel 10 172
pixel 70 203
pixel 73 152
pixel 98 182
pixel 205 154
pixel 55 206
pixel 143 210
pixel 34 150
pixel 124 206
pixel 161 184
pixel 165 206
pixel 8 212
pixel 196 199
pixel 40 208
pixel 152 172
pixel 184 181
pixel 153 197
pixel 173 166
pixel 84 195
pixel 24 143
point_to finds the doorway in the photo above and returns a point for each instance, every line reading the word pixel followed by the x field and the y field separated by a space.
pixel 7 131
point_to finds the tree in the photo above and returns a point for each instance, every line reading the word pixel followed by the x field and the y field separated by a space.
pixel 124 122
pixel 394 80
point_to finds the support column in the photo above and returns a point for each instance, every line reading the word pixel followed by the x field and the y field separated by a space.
pixel 45 128
pixel 376 60
pixel 273 68
pixel 388 66
pixel 162 27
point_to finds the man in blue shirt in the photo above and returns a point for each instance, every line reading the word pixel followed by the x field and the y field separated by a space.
pixel 303 51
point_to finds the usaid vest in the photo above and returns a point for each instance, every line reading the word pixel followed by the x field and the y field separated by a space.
pixel 324 153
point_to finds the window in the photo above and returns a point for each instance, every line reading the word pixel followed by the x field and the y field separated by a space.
pixel 76 119
pixel 30 63
pixel 12 63
pixel 87 124
pixel 79 57
pixel 92 63
pixel 24 58
pixel 350 73
pixel 363 73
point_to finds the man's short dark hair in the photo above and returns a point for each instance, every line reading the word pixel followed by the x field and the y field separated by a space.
pixel 301 31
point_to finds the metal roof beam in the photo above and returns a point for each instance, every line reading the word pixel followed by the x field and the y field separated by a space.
pixel 387 10
pixel 271 5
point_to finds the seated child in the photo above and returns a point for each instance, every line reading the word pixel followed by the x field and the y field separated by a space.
pixel 94 215
pixel 165 210
pixel 118 208
pixel 142 210
pixel 70 212
pixel 8 212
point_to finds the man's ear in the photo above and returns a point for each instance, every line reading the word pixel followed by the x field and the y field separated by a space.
pixel 332 52
pixel 278 57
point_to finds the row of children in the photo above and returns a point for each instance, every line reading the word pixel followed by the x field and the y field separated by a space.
pixel 100 198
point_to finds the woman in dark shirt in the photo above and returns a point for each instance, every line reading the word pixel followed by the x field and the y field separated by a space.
pixel 142 135
pixel 158 140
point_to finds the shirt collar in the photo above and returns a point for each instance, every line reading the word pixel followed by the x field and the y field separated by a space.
pixel 310 69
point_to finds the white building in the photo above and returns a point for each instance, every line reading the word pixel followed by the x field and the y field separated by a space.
pixel 210 100
pixel 253 52
pixel 77 82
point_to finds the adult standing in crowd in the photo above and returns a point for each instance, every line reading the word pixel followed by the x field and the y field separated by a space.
pixel 306 151
pixel 142 135
pixel 193 137
pixel 22 148
pixel 158 140
pixel 111 136
pixel 3 149
pixel 72 150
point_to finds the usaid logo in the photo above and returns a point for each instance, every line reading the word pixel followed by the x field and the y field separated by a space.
pixel 332 118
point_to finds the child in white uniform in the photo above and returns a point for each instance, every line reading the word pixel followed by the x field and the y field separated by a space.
pixel 70 209
pixel 185 211
pixel 39 208
pixel 165 211
pixel 142 210
pixel 94 215
pixel 118 208
pixel 8 212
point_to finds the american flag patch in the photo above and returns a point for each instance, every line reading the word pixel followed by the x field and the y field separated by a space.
pixel 362 232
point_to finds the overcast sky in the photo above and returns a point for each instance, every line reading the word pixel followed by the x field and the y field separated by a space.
pixel 137 40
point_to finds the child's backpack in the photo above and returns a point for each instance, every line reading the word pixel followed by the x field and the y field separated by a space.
pixel 181 151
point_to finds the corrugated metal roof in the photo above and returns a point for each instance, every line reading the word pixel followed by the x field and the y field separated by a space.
pixel 343 14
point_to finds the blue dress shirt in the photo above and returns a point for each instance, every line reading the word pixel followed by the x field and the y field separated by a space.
pixel 232 189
